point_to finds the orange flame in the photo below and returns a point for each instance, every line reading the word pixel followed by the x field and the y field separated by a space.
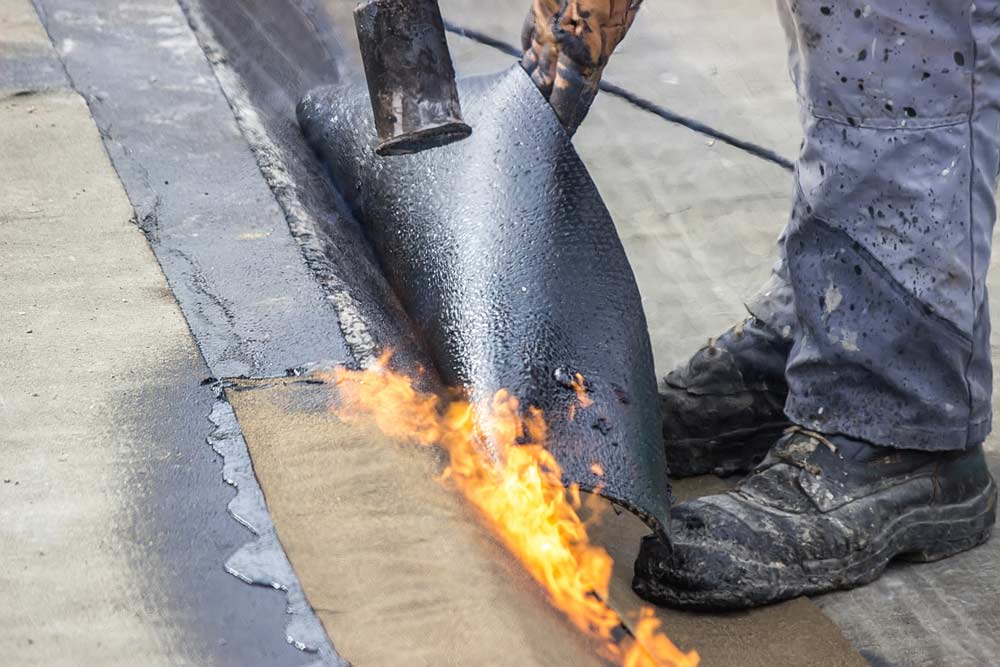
pixel 518 491
pixel 580 387
pixel 649 636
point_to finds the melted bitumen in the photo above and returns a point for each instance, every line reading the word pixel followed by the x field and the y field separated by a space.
pixel 263 562
pixel 180 531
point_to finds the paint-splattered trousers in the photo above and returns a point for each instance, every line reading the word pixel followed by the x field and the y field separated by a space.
pixel 882 278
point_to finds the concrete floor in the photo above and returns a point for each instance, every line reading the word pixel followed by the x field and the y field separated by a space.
pixel 110 456
pixel 63 444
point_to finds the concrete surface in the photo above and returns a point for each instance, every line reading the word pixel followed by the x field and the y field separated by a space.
pixel 113 522
pixel 27 60
pixel 68 557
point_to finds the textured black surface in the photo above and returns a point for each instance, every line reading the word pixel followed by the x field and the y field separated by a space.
pixel 507 261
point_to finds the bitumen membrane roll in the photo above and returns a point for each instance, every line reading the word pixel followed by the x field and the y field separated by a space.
pixel 509 265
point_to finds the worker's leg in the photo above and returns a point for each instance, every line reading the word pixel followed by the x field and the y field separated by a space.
pixel 889 241
pixel 889 374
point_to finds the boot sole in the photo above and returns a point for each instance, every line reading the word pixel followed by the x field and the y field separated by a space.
pixel 920 536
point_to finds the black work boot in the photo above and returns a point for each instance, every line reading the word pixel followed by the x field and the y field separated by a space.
pixel 819 514
pixel 723 409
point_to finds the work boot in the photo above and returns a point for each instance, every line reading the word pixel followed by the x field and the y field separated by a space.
pixel 723 409
pixel 819 514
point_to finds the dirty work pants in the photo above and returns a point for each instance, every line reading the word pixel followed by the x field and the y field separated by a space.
pixel 882 278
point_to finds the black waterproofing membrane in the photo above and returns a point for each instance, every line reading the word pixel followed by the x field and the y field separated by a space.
pixel 506 259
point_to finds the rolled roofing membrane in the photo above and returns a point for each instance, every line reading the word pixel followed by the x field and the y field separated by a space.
pixel 508 262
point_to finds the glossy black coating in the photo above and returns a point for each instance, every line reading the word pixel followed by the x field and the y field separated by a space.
pixel 411 80
pixel 507 261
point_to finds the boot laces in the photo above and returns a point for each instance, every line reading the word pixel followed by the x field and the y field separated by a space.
pixel 797 452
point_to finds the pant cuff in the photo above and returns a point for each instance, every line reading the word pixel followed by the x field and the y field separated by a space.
pixel 887 434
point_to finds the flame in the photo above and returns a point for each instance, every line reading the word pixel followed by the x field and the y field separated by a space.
pixel 651 638
pixel 580 387
pixel 518 491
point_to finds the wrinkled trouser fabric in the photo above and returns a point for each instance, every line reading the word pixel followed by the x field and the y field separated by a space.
pixel 881 281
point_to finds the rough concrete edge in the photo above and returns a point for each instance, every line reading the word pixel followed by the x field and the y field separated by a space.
pixel 302 224
pixel 263 562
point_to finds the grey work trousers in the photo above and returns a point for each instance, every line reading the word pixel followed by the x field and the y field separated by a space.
pixel 881 282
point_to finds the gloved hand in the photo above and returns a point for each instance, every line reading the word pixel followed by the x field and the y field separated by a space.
pixel 567 44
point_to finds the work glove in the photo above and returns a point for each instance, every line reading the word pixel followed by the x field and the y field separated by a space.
pixel 567 44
